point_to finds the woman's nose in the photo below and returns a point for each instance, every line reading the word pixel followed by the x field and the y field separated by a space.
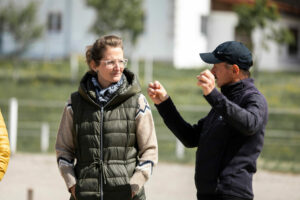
pixel 117 65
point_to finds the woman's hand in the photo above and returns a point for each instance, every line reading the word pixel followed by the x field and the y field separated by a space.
pixel 72 190
pixel 132 194
pixel 157 92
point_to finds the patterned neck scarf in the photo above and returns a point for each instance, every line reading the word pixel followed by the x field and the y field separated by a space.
pixel 104 95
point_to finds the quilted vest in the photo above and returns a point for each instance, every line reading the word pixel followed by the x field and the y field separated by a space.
pixel 106 147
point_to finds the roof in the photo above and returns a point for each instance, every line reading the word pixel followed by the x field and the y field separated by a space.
pixel 289 7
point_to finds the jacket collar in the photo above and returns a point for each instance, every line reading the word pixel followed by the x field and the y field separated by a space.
pixel 128 88
pixel 236 87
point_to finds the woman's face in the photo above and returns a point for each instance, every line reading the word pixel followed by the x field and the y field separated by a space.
pixel 111 66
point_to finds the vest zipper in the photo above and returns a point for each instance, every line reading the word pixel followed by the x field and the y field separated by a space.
pixel 101 150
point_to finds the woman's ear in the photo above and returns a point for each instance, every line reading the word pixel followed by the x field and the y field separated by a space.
pixel 235 69
pixel 93 66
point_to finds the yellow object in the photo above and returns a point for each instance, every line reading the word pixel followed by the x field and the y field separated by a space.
pixel 4 147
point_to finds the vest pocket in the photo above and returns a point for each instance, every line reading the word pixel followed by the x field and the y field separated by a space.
pixel 87 186
pixel 117 181
pixel 116 174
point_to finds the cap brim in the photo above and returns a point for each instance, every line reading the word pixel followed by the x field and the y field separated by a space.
pixel 209 58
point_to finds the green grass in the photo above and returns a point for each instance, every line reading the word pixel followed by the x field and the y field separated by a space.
pixel 41 83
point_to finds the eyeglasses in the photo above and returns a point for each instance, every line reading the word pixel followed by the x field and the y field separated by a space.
pixel 113 63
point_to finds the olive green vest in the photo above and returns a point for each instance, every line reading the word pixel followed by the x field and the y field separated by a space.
pixel 106 148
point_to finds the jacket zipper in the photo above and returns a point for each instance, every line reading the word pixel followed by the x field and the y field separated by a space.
pixel 101 144
pixel 101 151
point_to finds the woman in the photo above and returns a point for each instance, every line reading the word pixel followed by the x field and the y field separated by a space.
pixel 107 129
pixel 4 147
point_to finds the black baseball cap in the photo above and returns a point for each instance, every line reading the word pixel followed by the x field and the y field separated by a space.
pixel 231 52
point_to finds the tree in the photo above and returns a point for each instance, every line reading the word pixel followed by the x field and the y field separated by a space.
pixel 20 22
pixel 125 16
pixel 261 15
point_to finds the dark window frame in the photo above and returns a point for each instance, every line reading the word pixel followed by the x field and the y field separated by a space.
pixel 54 22
pixel 204 24
pixel 293 49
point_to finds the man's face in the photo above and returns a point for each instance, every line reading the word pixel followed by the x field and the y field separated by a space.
pixel 223 74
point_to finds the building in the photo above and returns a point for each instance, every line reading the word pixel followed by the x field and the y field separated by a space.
pixel 175 30
pixel 278 57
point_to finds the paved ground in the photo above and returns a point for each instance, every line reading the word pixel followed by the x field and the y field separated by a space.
pixel 169 182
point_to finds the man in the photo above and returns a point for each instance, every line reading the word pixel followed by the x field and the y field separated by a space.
pixel 230 138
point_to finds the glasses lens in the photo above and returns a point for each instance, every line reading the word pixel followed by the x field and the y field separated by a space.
pixel 112 63
pixel 125 61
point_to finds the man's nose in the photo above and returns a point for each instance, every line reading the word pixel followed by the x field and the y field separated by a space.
pixel 213 70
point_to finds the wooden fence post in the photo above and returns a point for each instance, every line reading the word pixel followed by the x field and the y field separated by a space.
pixel 30 194
pixel 13 124
pixel 45 137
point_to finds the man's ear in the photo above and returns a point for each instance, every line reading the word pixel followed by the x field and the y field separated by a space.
pixel 235 69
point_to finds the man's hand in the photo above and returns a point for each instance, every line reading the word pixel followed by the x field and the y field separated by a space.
pixel 157 92
pixel 206 80
pixel 72 190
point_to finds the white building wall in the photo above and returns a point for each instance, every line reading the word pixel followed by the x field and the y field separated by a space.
pixel 51 44
pixel 172 33
pixel 188 40
pixel 74 35
pixel 157 39
pixel 286 61
pixel 265 59
pixel 276 56
pixel 82 19
pixel 156 42
pixel 221 28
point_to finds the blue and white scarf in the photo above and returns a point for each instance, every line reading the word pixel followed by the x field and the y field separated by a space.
pixel 104 95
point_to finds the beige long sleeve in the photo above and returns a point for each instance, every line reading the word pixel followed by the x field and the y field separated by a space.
pixel 65 148
pixel 147 144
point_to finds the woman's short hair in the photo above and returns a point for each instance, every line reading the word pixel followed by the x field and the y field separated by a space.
pixel 96 51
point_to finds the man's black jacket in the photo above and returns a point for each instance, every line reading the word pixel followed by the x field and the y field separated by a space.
pixel 229 139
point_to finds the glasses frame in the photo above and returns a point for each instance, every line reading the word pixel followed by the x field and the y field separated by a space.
pixel 114 62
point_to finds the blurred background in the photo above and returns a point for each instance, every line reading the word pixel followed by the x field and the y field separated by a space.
pixel 42 58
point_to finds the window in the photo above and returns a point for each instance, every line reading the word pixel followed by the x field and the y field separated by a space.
pixel 204 20
pixel 293 48
pixel 54 22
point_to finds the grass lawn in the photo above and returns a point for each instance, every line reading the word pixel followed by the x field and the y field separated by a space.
pixel 43 88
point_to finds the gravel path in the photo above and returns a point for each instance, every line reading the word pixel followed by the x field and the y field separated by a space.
pixel 169 181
